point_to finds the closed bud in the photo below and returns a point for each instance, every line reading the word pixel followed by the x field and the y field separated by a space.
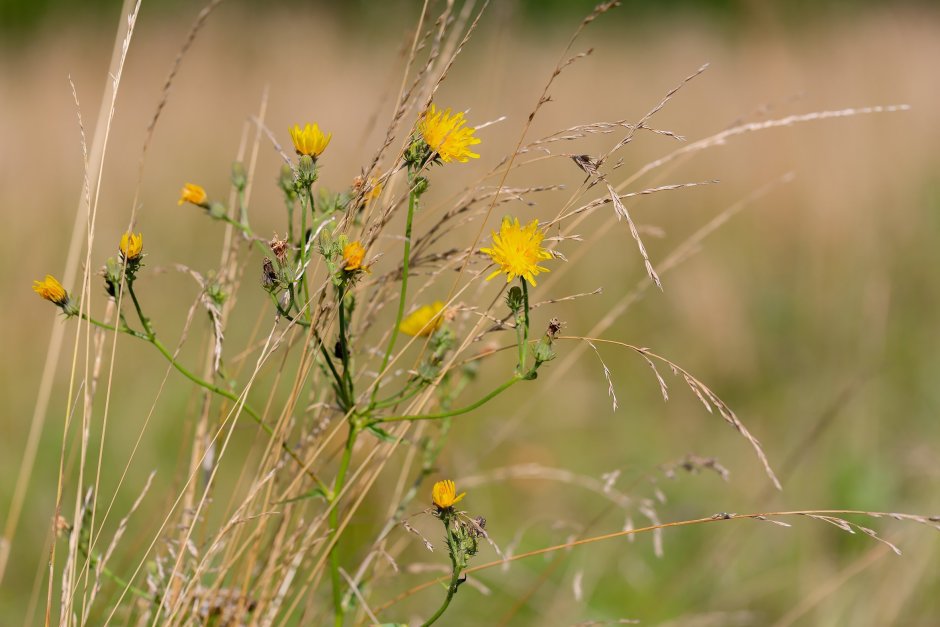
pixel 306 172
pixel 514 299
pixel 420 185
pixel 239 177
pixel 285 181
pixel 217 210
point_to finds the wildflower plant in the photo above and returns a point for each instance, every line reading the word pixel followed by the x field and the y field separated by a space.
pixel 336 282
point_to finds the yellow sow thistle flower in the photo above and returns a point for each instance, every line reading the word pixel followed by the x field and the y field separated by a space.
pixel 424 321
pixel 517 250
pixel 447 135
pixel 132 245
pixel 444 494
pixel 50 289
pixel 353 255
pixel 310 141
pixel 193 193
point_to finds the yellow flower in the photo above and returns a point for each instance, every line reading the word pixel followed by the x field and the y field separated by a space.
pixel 517 250
pixel 423 322
pixel 310 141
pixel 51 290
pixel 194 194
pixel 132 245
pixel 446 135
pixel 353 254
pixel 444 494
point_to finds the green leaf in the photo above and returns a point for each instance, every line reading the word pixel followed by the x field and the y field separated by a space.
pixel 312 494
pixel 381 434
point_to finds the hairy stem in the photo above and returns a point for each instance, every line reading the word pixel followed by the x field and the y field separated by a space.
pixel 451 589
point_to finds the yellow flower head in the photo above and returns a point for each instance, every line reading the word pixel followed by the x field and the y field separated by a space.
pixel 447 136
pixel 423 322
pixel 310 141
pixel 132 245
pixel 353 255
pixel 444 494
pixel 517 250
pixel 51 290
pixel 194 194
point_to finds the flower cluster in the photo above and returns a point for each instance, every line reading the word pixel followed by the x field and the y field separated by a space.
pixel 333 225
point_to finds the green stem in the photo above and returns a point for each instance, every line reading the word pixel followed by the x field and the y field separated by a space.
pixel 235 399
pixel 286 312
pixel 151 337
pixel 140 314
pixel 110 574
pixel 107 327
pixel 345 402
pixel 398 398
pixel 451 589
pixel 338 485
pixel 412 201
pixel 344 346
pixel 303 249
pixel 455 412
pixel 525 326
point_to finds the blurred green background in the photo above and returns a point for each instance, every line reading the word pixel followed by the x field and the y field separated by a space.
pixel 813 313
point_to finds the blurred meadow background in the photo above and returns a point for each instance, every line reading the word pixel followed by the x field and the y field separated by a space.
pixel 813 312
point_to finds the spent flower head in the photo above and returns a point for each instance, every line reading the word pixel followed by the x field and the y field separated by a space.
pixel 131 246
pixel 310 140
pixel 447 136
pixel 444 494
pixel 279 247
pixel 517 250
pixel 423 321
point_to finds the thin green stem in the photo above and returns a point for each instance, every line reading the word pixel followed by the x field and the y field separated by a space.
pixel 456 412
pixel 525 325
pixel 344 346
pixel 110 574
pixel 398 398
pixel 340 388
pixel 151 337
pixel 305 206
pixel 451 590
pixel 286 312
pixel 140 314
pixel 412 202
pixel 107 327
pixel 338 485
